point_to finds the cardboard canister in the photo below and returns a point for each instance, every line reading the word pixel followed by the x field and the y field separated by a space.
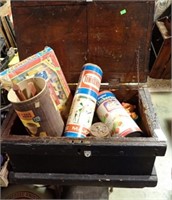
pixel 37 113
pixel 111 112
pixel 84 102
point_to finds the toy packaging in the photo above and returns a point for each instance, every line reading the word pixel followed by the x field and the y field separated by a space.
pixel 42 64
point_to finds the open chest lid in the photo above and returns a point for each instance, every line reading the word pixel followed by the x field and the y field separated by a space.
pixel 115 35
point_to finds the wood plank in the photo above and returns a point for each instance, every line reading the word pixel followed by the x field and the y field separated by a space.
pixel 161 42
pixel 80 32
pixel 134 181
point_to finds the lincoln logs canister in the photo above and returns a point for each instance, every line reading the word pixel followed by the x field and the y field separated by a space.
pixel 84 102
pixel 34 106
pixel 111 112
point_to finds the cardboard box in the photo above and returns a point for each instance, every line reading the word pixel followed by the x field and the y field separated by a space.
pixel 43 64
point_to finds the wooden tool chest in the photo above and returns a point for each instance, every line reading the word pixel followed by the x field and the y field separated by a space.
pixel 116 36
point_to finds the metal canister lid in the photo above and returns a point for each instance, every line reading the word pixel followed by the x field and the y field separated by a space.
pixel 100 130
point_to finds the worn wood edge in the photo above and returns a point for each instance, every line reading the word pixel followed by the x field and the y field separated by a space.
pixel 137 181
pixel 149 32
pixel 150 113
pixel 24 3
pixel 60 2
pixel 26 140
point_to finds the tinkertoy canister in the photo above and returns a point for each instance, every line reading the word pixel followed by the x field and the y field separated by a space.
pixel 111 112
pixel 34 106
pixel 84 102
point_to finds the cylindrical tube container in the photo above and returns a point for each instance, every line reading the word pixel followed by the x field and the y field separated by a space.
pixel 37 113
pixel 111 112
pixel 84 102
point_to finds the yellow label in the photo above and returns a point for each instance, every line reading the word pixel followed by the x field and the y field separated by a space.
pixel 26 115
pixel 27 119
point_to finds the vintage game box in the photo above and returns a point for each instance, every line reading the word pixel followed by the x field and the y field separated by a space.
pixel 43 64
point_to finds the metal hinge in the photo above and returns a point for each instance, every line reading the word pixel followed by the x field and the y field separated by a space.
pixel 141 85
pixel 116 86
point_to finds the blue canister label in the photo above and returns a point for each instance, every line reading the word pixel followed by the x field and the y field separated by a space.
pixel 103 96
